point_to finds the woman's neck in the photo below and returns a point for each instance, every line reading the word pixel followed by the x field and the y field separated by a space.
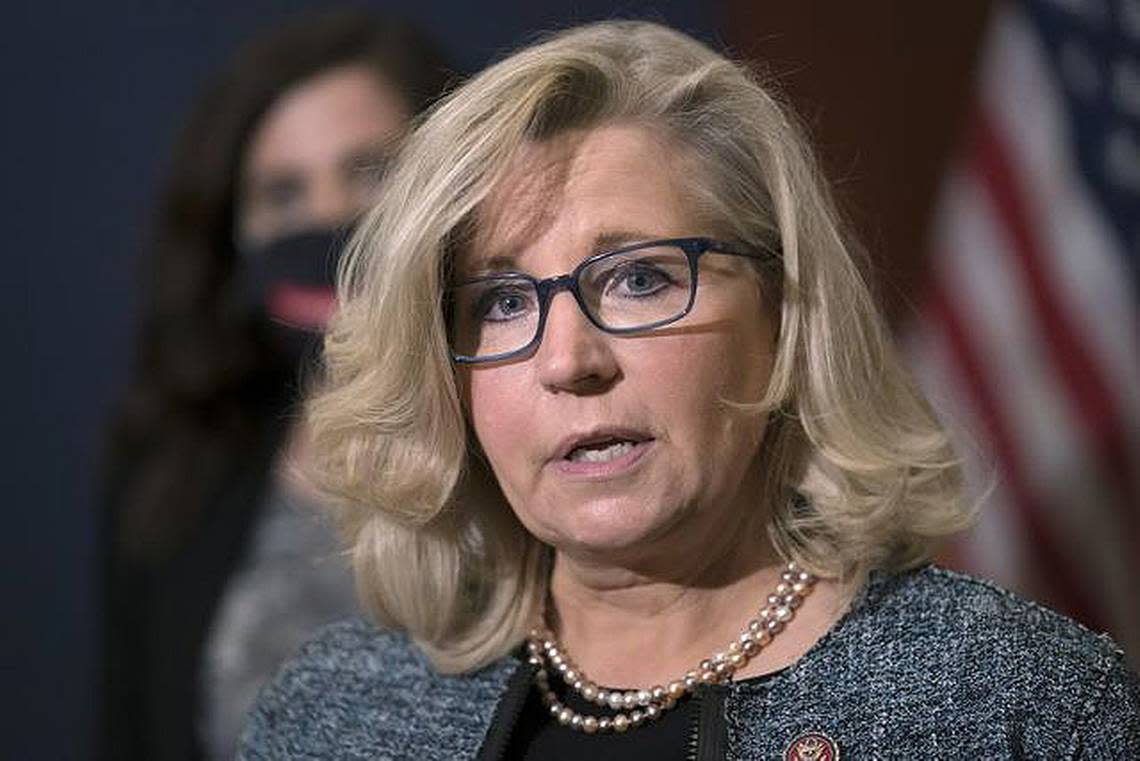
pixel 632 629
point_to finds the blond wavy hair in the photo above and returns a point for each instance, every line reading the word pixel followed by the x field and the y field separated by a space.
pixel 860 475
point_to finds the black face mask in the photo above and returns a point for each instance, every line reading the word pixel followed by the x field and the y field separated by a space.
pixel 288 286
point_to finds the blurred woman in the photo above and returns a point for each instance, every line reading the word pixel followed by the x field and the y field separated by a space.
pixel 217 566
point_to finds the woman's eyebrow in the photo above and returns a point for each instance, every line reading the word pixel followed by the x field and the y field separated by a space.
pixel 491 264
pixel 267 184
pixel 604 241
pixel 611 239
pixel 363 159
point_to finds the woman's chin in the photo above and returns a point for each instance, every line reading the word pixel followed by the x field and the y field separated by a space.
pixel 611 530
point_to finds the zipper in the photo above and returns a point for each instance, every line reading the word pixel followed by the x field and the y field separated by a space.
pixel 507 713
pixel 707 741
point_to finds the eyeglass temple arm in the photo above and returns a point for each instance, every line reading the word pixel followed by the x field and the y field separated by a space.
pixel 705 245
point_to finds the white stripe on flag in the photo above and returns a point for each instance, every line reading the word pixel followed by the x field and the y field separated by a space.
pixel 1095 285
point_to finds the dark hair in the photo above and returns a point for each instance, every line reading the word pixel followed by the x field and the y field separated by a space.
pixel 205 387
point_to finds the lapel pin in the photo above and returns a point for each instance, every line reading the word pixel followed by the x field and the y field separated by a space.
pixel 812 746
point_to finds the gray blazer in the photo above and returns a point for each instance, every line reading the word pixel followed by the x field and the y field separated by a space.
pixel 926 664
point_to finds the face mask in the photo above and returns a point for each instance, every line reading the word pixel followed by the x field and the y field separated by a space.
pixel 288 285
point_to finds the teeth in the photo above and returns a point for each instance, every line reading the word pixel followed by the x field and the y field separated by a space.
pixel 605 454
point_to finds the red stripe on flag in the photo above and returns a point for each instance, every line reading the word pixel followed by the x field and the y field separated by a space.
pixel 1050 564
pixel 1075 364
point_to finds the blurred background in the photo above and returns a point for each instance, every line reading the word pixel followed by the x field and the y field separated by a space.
pixel 987 154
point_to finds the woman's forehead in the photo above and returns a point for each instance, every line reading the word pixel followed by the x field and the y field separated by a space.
pixel 523 202
pixel 622 177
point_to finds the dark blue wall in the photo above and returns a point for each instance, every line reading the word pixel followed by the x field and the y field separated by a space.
pixel 93 94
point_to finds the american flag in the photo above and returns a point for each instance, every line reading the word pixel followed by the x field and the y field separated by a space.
pixel 1029 338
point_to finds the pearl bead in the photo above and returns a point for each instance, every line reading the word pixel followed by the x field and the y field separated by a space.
pixel 635 707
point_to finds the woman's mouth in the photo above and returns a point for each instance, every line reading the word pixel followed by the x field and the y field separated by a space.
pixel 602 455
pixel 602 452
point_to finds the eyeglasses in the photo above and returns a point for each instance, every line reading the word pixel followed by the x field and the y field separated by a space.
pixel 634 289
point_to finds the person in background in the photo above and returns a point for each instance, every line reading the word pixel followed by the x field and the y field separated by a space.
pixel 218 566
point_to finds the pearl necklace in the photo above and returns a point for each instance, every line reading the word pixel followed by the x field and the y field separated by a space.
pixel 635 707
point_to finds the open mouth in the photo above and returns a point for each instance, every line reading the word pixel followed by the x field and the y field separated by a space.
pixel 601 451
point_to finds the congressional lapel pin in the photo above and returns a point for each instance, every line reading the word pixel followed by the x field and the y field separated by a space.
pixel 812 746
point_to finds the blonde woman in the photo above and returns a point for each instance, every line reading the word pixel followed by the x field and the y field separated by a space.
pixel 627 465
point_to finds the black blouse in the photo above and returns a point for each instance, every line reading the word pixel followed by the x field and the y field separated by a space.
pixel 537 735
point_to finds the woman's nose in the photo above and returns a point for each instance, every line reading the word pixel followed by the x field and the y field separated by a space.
pixel 333 203
pixel 574 356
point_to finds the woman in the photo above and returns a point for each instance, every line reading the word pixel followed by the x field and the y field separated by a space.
pixel 217 571
pixel 627 465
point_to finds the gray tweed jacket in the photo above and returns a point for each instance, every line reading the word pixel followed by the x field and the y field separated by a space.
pixel 928 664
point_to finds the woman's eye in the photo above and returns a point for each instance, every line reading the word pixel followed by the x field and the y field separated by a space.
pixel 638 280
pixel 502 304
pixel 280 194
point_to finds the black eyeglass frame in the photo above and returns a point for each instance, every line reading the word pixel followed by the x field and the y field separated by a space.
pixel 547 288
